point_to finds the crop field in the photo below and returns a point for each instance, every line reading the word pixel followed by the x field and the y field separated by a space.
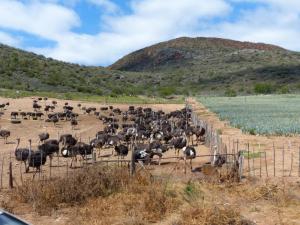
pixel 265 115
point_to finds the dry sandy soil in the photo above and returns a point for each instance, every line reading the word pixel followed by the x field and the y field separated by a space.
pixel 89 125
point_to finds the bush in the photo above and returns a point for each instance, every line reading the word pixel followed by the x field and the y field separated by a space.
pixel 263 88
pixel 284 90
pixel 230 93
pixel 166 91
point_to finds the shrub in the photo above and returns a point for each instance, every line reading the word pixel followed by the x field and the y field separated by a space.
pixel 230 93
pixel 263 88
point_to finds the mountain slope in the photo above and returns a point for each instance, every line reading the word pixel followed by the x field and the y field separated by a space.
pixel 184 50
pixel 180 66
pixel 214 64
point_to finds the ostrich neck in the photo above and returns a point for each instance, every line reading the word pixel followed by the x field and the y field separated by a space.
pixel 18 143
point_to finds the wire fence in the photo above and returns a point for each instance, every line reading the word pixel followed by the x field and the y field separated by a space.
pixel 279 160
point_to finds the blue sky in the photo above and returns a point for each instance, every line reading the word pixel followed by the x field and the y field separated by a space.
pixel 98 32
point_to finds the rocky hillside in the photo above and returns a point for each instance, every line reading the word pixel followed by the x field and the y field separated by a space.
pixel 181 51
pixel 214 65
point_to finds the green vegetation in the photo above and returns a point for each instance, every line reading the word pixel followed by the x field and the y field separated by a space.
pixel 263 88
pixel 267 115
pixel 92 98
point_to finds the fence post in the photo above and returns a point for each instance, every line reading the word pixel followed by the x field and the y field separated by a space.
pixel 292 156
pixel 274 159
pixel 2 165
pixel 266 164
pixel 11 185
pixel 248 158
pixel 298 164
pixel 132 163
pixel 283 161
pixel 241 166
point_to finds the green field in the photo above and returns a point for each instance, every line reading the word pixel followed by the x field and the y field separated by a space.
pixel 263 114
pixel 121 99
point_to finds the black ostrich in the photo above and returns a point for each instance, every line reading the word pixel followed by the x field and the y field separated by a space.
pixel 67 140
pixel 98 143
pixel 49 149
pixel 35 159
pixel 121 150
pixel 79 148
pixel 141 155
pixel 5 134
pixel 22 154
pixel 179 143
pixel 44 136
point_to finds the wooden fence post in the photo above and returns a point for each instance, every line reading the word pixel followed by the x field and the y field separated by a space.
pixel 292 156
pixel 298 163
pixel 241 166
pixel 283 161
pixel 2 165
pixel 11 185
pixel 266 164
pixel 132 163
pixel 274 159
pixel 248 158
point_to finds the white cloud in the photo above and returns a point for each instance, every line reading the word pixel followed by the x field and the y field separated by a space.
pixel 150 21
pixel 8 39
pixel 46 20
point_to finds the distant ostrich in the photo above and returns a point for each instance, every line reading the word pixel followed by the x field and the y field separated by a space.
pixel 44 136
pixel 74 123
pixel 5 134
pixel 22 154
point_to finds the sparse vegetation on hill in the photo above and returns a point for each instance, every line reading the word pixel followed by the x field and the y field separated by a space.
pixel 184 66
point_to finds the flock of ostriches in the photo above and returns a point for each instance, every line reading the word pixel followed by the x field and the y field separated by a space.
pixel 147 132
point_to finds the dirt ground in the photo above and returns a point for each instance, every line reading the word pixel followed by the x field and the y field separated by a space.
pixel 89 125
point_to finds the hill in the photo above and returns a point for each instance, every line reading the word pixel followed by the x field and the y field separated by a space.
pixel 180 66
pixel 216 64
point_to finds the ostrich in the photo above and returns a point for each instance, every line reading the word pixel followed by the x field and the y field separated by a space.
pixel 199 132
pixel 189 152
pixel 74 123
pixel 43 136
pixel 49 149
pixel 98 143
pixel 22 154
pixel 157 149
pixel 35 159
pixel 79 148
pixel 179 143
pixel 67 140
pixel 5 134
pixel 140 154
pixel 121 150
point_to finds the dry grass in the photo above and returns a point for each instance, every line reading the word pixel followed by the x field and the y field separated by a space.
pixel 75 189
pixel 101 196
pixel 209 214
